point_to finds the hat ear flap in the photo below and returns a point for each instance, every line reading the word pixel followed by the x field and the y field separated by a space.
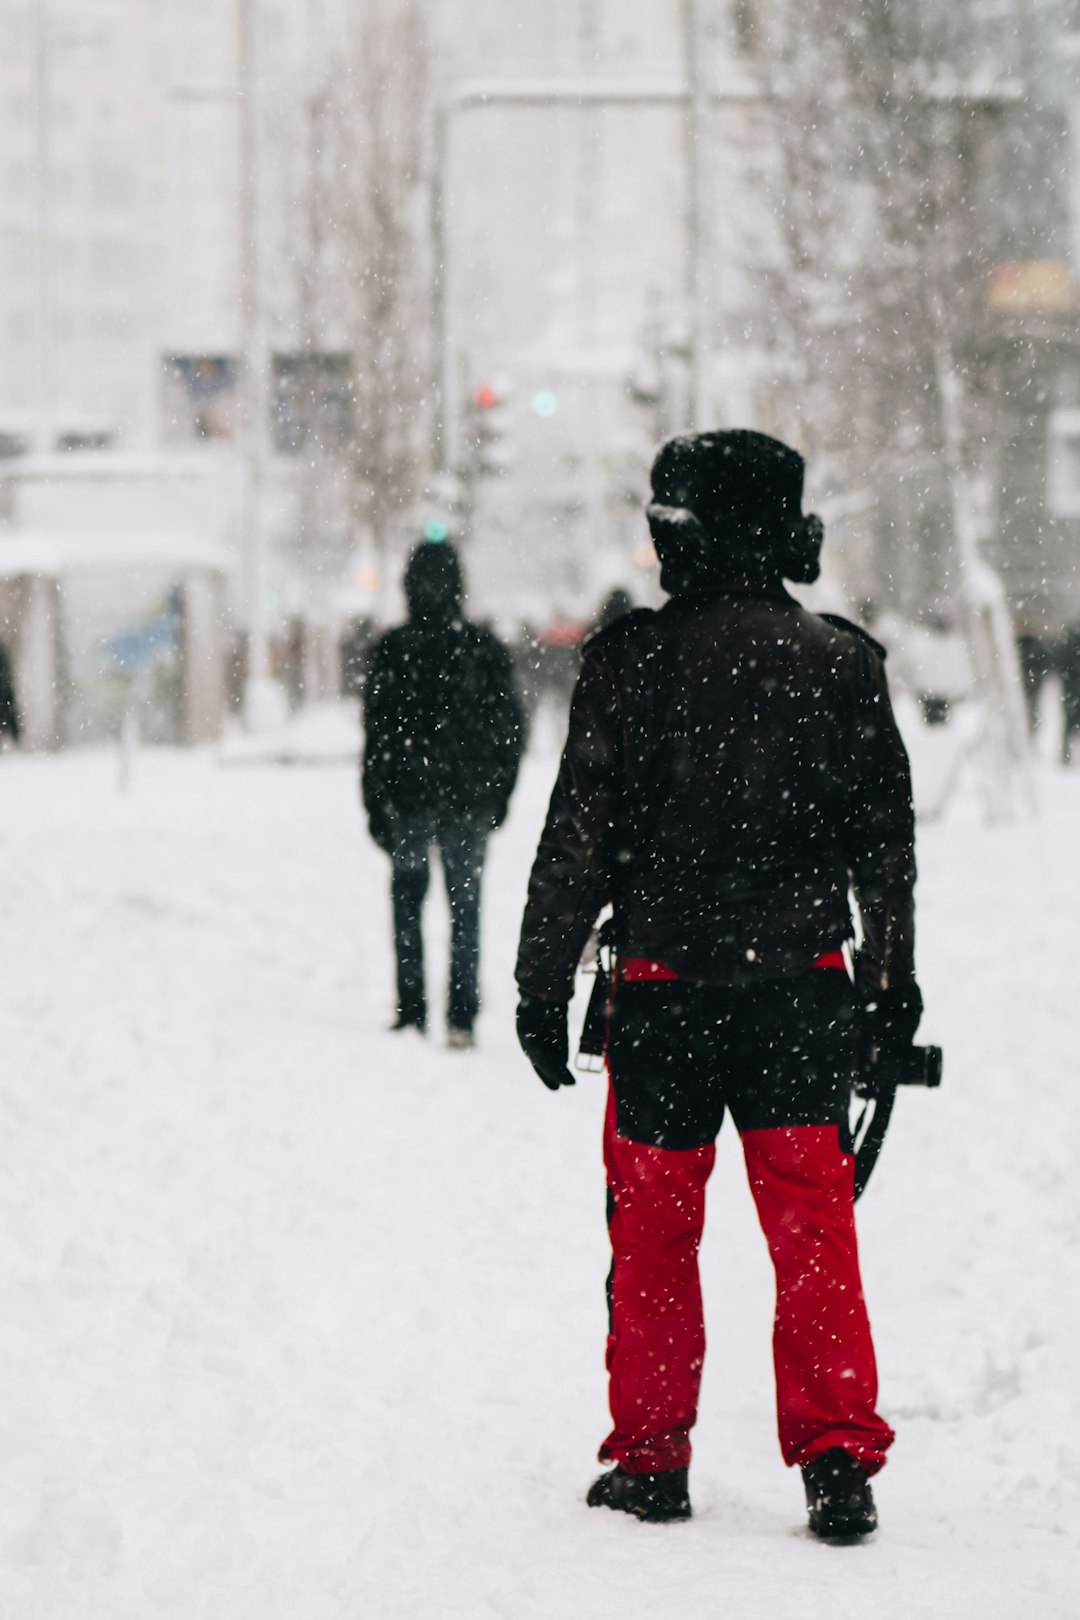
pixel 681 542
pixel 802 554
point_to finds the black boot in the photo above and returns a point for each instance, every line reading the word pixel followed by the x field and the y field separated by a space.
pixel 410 1020
pixel 839 1497
pixel 654 1498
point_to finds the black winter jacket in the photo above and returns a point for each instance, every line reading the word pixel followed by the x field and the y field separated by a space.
pixel 443 727
pixel 732 767
pixel 9 708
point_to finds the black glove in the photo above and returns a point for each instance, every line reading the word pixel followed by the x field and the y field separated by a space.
pixel 889 1021
pixel 541 1033
pixel 379 828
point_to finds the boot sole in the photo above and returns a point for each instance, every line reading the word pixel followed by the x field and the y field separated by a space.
pixel 843 1533
pixel 643 1513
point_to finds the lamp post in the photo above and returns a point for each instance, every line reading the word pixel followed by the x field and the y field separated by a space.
pixel 43 159
pixel 694 262
pixel 258 697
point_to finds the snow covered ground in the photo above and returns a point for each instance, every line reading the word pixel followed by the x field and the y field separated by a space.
pixel 300 1319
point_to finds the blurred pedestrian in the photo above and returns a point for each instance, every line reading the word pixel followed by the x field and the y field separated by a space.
pixel 1035 661
pixel 560 645
pixel 616 605
pixel 353 648
pixel 443 732
pixel 9 708
pixel 1068 663
pixel 732 766
pixel 294 652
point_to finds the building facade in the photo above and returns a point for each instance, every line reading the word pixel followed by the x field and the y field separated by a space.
pixel 610 262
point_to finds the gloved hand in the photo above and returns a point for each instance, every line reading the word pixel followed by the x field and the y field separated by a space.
pixel 379 828
pixel 541 1033
pixel 889 1021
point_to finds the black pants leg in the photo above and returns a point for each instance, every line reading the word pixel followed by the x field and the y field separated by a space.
pixel 408 888
pixel 462 845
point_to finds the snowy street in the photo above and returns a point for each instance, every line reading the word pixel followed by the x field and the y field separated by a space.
pixel 304 1320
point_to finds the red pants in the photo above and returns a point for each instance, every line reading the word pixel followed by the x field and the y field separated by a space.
pixel 826 1377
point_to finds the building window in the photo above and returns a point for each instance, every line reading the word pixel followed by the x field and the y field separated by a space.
pixel 85 439
pixel 1063 464
pixel 313 403
pixel 200 398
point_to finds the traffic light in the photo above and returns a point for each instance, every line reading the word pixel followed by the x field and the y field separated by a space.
pixel 490 450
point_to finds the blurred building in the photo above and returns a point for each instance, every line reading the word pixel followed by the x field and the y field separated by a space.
pixel 593 298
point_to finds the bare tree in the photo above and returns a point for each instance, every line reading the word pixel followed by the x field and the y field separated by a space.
pixel 359 148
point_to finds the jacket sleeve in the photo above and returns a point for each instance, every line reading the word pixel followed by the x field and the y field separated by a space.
pixel 881 839
pixel 375 759
pixel 571 876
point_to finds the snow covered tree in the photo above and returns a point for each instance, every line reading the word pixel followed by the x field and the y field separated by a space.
pixel 884 139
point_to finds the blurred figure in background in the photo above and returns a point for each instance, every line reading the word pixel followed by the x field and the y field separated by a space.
pixel 616 605
pixel 559 646
pixel 353 656
pixel 1069 669
pixel 9 708
pixel 443 731
pixel 1035 665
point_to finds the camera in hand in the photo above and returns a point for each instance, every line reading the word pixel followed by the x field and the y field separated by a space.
pixel 908 1066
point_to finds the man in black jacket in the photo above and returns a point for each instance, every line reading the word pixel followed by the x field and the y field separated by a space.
pixel 443 734
pixel 9 708
pixel 732 769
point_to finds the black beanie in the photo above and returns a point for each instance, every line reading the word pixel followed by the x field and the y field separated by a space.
pixel 728 505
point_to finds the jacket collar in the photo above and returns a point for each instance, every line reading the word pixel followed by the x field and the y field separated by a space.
pixel 773 591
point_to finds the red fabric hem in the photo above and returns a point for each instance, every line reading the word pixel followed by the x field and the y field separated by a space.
pixel 641 970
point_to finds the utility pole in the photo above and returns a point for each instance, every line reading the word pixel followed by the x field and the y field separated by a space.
pixel 45 402
pixel 253 372
pixel 694 266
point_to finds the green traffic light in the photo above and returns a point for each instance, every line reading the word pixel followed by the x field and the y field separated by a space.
pixel 435 530
pixel 545 402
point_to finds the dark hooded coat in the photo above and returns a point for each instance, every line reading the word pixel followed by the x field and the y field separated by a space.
pixel 443 726
pixel 9 708
pixel 732 768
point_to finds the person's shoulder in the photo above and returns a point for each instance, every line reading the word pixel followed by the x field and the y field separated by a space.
pixel 382 646
pixel 393 637
pixel 849 628
pixel 479 638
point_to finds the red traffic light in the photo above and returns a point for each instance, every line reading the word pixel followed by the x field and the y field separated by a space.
pixel 485 397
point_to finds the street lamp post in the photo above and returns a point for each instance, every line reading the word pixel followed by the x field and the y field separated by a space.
pixel 258 699
pixel 43 159
pixel 695 136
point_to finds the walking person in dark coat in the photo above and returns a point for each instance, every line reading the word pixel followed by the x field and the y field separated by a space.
pixel 9 707
pixel 732 767
pixel 1068 663
pixel 443 734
